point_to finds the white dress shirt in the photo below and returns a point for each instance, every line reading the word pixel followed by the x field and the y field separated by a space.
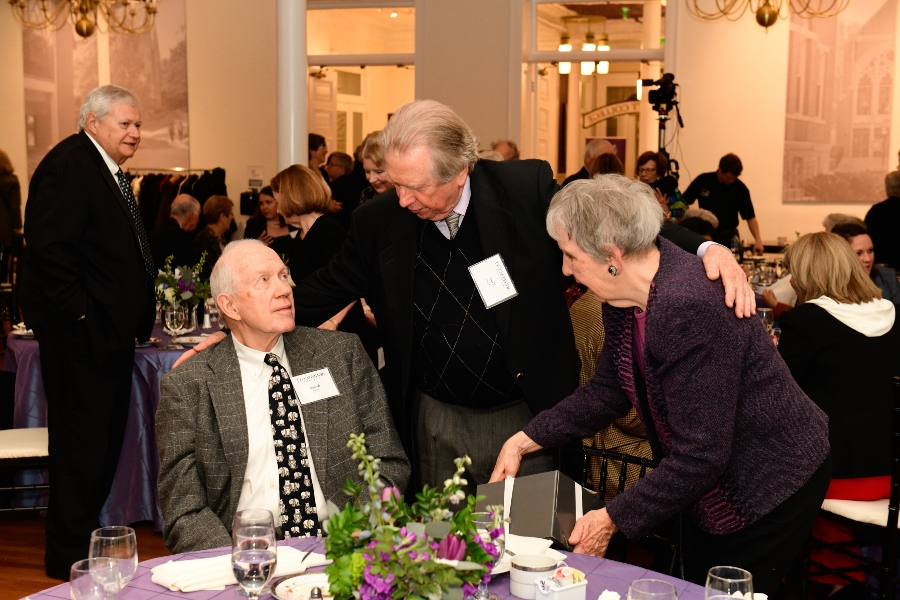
pixel 459 209
pixel 110 163
pixel 260 488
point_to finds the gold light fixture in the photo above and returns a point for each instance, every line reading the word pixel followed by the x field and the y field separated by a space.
pixel 603 42
pixel 122 16
pixel 565 45
pixel 603 67
pixel 767 11
pixel 589 44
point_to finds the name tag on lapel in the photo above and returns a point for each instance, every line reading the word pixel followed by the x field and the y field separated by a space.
pixel 493 281
pixel 315 386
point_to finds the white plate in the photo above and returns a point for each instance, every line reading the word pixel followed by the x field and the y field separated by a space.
pixel 502 568
pixel 189 340
pixel 146 344
pixel 298 587
pixel 22 332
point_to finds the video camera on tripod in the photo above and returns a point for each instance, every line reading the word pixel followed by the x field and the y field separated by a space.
pixel 663 101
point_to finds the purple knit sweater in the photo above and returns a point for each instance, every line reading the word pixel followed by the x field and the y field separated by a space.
pixel 738 435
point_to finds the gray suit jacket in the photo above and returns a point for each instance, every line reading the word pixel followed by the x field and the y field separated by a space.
pixel 201 430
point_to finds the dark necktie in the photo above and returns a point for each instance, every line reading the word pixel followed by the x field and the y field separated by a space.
pixel 125 186
pixel 299 516
pixel 452 221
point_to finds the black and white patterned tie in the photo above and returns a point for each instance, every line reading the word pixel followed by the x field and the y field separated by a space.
pixel 125 186
pixel 299 515
pixel 452 221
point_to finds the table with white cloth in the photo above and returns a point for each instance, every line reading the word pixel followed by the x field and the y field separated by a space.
pixel 601 574
pixel 133 496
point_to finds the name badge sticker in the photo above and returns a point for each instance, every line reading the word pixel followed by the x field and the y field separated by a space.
pixel 493 281
pixel 315 386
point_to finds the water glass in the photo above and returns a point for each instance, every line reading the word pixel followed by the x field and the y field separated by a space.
pixel 173 319
pixel 95 579
pixel 119 543
pixel 651 589
pixel 767 317
pixel 485 528
pixel 253 552
pixel 727 583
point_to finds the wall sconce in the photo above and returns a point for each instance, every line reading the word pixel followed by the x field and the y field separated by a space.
pixel 564 43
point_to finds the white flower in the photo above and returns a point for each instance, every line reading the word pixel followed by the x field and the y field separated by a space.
pixel 177 272
pixel 170 295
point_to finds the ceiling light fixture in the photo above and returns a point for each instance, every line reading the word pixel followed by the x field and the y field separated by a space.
pixel 121 16
pixel 767 11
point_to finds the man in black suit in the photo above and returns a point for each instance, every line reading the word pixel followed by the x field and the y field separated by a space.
pixel 173 238
pixel 883 222
pixel 592 150
pixel 461 372
pixel 87 293
pixel 345 188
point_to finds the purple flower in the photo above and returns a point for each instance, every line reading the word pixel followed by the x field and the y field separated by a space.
pixel 488 547
pixel 468 590
pixel 375 587
pixel 451 548
pixel 495 532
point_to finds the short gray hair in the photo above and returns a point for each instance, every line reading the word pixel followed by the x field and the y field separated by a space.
pixel 892 183
pixel 223 279
pixel 184 205
pixel 430 124
pixel 605 212
pixel 100 99
pixel 834 219
pixel 596 147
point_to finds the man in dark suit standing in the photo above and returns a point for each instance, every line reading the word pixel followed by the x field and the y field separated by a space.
pixel 87 293
pixel 173 238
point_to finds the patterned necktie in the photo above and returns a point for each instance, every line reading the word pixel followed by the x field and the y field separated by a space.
pixel 452 221
pixel 125 186
pixel 299 516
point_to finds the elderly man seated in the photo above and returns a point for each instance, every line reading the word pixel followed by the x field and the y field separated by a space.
pixel 262 419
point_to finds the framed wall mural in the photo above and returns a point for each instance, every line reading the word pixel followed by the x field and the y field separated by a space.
pixel 839 105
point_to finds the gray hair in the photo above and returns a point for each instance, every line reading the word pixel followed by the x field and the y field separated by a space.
pixel 184 205
pixel 223 279
pixel 430 124
pixel 834 219
pixel 491 155
pixel 596 147
pixel 605 212
pixel 100 99
pixel 892 183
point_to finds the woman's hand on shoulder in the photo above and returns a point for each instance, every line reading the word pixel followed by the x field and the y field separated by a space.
pixel 212 340
pixel 719 263
pixel 592 533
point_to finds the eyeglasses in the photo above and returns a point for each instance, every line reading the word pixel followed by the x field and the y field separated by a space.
pixel 646 170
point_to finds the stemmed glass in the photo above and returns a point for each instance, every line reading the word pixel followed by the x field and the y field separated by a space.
pixel 253 552
pixel 95 579
pixel 491 531
pixel 173 319
pixel 651 589
pixel 767 317
pixel 728 583
pixel 119 543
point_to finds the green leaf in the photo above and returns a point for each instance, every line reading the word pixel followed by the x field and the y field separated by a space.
pixel 465 565
pixel 417 528
pixel 437 529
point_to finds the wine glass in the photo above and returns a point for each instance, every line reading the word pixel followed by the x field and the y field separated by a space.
pixel 174 319
pixel 723 582
pixel 651 589
pixel 767 317
pixel 95 579
pixel 486 527
pixel 212 309
pixel 776 335
pixel 119 543
pixel 253 553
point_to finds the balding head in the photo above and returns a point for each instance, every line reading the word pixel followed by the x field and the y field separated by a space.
pixel 252 287
pixel 186 210
pixel 595 148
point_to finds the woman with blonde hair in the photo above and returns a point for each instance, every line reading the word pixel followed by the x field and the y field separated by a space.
pixel 372 156
pixel 10 211
pixel 842 345
pixel 303 202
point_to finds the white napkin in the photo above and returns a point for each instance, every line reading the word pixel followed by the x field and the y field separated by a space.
pixel 609 595
pixel 215 573
pixel 529 545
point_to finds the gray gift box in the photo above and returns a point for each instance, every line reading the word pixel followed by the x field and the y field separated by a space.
pixel 542 506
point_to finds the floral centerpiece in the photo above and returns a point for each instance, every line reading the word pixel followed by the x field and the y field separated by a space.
pixel 177 285
pixel 384 548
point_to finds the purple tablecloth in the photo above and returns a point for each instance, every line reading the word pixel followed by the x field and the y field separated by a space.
pixel 133 496
pixel 601 574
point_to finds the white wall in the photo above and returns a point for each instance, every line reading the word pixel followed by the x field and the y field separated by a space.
pixel 232 88
pixel 733 78
pixel 12 97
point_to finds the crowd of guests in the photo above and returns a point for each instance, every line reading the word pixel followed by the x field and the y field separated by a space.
pixel 665 351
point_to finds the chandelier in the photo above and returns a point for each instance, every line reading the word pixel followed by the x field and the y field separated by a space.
pixel 766 11
pixel 123 16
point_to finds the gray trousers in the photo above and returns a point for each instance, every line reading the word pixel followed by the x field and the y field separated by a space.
pixel 446 431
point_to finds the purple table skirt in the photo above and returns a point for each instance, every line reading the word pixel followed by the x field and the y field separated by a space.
pixel 601 574
pixel 133 496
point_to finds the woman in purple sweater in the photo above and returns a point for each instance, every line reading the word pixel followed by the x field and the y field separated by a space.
pixel 742 450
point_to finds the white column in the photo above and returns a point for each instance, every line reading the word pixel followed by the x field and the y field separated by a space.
pixel 650 34
pixel 574 133
pixel 103 68
pixel 292 83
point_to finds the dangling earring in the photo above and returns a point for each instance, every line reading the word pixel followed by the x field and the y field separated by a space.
pixel 613 270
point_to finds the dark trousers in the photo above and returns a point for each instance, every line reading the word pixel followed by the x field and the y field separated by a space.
pixel 88 395
pixel 768 546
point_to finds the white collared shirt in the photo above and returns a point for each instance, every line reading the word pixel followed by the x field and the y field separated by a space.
pixel 113 167
pixel 260 488
pixel 459 209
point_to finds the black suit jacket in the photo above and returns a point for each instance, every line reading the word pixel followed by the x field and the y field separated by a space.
pixel 581 174
pixel 378 258
pixel 82 249
pixel 169 239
